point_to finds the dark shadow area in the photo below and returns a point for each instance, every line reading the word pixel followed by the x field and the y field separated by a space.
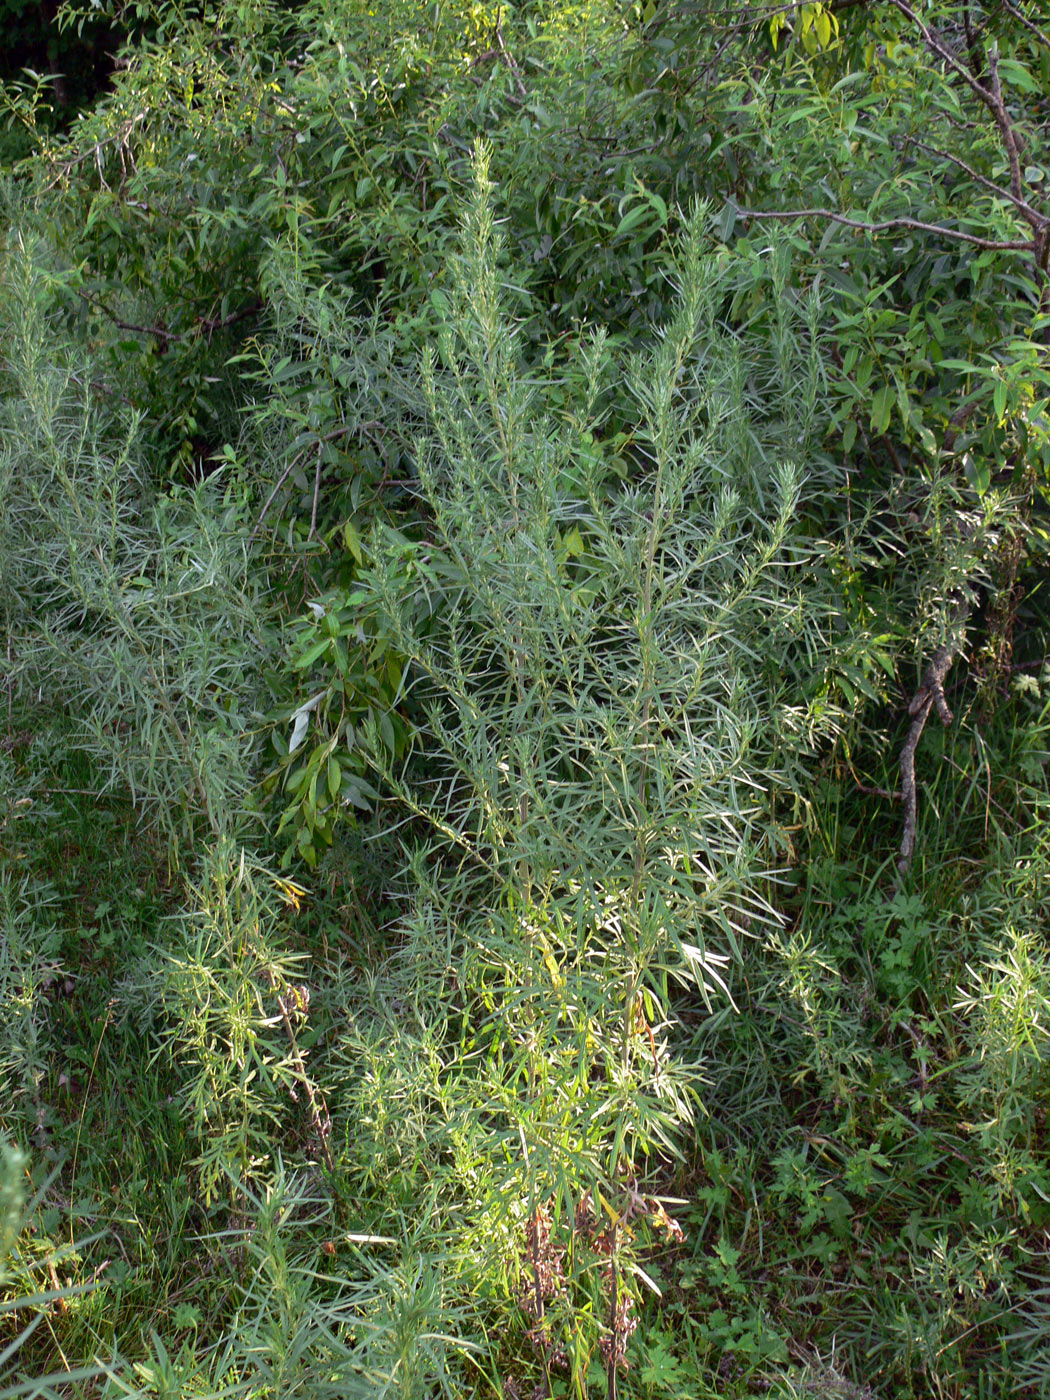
pixel 79 65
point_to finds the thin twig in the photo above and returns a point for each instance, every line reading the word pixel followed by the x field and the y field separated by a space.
pixel 100 388
pixel 612 1365
pixel 610 142
pixel 511 62
pixel 1033 29
pixel 1021 204
pixel 317 491
pixel 220 323
pixel 941 49
pixel 159 332
pixel 272 496
pixel 1002 120
pixel 889 796
pixel 367 429
pixel 751 18
pixel 972 46
pixel 991 97
pixel 1026 245
pixel 119 140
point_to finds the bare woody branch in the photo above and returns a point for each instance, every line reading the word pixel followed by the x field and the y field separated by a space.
pixel 1013 245
pixel 940 48
pixel 160 332
pixel 1032 216
pixel 1002 121
pixel 991 96
pixel 929 696
pixel 1039 34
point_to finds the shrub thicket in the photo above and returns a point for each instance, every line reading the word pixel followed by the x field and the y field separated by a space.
pixel 524 768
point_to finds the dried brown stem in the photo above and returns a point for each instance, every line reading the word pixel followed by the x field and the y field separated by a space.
pixel 317 490
pixel 297 1000
pixel 612 1361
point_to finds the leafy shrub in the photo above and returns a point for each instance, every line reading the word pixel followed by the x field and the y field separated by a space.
pixel 140 611
pixel 602 720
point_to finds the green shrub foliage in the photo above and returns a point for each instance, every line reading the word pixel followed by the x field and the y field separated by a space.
pixel 139 610
pixel 524 706
pixel 606 719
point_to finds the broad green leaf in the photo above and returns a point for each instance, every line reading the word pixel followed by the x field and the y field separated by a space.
pixel 882 408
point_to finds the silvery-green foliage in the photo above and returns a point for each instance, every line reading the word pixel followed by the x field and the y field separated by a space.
pixel 630 651
pixel 380 1323
pixel 375 1321
pixel 614 675
pixel 1004 1005
pixel 615 700
pixel 139 613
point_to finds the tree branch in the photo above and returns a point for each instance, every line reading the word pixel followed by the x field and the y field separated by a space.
pixel 1020 245
pixel 1032 216
pixel 509 60
pixel 941 49
pixel 1040 35
pixel 160 331
pixel 991 96
pixel 1004 124
pixel 213 324
pixel 972 46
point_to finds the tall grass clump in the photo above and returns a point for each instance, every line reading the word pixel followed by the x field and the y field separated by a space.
pixel 610 663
